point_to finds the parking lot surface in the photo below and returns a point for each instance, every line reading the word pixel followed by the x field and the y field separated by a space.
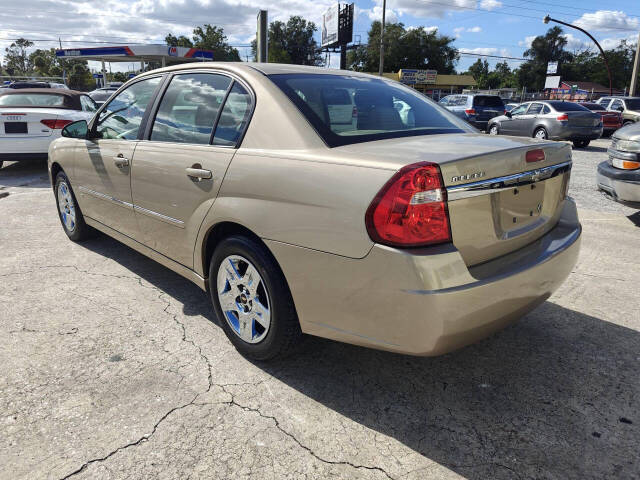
pixel 112 366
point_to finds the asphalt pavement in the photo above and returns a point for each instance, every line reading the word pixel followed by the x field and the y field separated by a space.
pixel 112 366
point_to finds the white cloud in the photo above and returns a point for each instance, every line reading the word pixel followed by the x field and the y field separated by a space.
pixel 481 50
pixel 576 43
pixel 527 41
pixel 375 13
pixel 475 29
pixel 490 4
pixel 607 20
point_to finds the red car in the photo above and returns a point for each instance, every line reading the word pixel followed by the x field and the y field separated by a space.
pixel 611 121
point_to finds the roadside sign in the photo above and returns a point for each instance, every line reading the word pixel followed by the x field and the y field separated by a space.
pixel 330 19
pixel 552 68
pixel 552 82
pixel 412 76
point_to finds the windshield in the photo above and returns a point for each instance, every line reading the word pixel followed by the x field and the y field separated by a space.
pixel 487 101
pixel 593 106
pixel 633 104
pixel 345 109
pixel 33 99
pixel 567 107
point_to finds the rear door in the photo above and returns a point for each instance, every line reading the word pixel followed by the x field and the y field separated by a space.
pixel 103 162
pixel 178 171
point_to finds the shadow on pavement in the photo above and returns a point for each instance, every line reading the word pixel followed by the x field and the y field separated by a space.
pixel 24 174
pixel 556 395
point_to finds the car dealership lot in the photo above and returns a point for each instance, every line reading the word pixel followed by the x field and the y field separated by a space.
pixel 111 368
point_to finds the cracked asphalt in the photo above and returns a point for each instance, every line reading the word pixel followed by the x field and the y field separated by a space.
pixel 113 367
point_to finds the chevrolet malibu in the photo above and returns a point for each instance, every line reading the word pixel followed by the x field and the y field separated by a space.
pixel 410 233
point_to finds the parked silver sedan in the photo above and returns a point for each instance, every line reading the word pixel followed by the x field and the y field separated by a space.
pixel 550 119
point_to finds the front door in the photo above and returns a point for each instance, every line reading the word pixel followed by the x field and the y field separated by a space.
pixel 103 162
pixel 177 173
pixel 509 125
pixel 528 120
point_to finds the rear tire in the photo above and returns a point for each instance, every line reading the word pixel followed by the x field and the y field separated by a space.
pixel 541 133
pixel 259 316
pixel 69 211
pixel 581 143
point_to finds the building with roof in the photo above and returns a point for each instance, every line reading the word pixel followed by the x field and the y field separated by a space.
pixel 431 83
pixel 575 90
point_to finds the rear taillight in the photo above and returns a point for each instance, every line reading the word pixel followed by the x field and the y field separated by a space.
pixel 470 111
pixel 411 209
pixel 536 155
pixel 55 124
pixel 562 118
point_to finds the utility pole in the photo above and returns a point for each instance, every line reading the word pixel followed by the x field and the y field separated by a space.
pixel 384 11
pixel 636 68
pixel 261 37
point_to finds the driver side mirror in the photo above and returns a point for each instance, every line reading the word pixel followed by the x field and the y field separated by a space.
pixel 620 109
pixel 78 129
pixel 508 114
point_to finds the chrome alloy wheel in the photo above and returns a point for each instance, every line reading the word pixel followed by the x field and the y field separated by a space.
pixel 493 130
pixel 541 134
pixel 66 206
pixel 243 298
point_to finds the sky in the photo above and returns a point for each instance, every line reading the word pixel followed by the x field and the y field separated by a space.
pixel 488 27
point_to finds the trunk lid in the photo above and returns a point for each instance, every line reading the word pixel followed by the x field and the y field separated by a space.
pixel 497 201
pixel 583 119
pixel 20 122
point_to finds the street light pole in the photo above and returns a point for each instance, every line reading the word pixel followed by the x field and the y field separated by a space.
pixel 548 19
pixel 381 64
pixel 636 65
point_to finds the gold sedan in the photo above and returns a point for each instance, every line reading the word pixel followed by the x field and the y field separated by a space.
pixel 324 202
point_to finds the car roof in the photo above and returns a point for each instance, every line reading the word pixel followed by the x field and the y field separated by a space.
pixel 73 96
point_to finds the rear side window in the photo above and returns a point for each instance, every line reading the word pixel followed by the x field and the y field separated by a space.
pixel 33 100
pixel 546 110
pixel 234 117
pixel 461 101
pixel 534 108
pixel 383 109
pixel 189 108
pixel 487 101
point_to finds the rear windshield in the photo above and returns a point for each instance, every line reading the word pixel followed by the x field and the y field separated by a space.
pixel 633 103
pixel 345 109
pixel 33 99
pixel 567 107
pixel 593 106
pixel 487 101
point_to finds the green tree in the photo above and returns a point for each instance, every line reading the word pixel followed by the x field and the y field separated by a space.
pixel 16 58
pixel 546 48
pixel 207 37
pixel 180 41
pixel 404 48
pixel 479 70
pixel 292 42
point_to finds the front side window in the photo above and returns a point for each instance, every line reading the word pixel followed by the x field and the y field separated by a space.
pixel 347 109
pixel 520 109
pixel 615 105
pixel 87 104
pixel 189 108
pixel 234 117
pixel 122 116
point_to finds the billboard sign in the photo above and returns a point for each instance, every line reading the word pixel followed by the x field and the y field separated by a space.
pixel 552 68
pixel 413 76
pixel 330 21
pixel 552 82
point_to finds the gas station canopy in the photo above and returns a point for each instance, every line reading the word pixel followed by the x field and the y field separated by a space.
pixel 138 53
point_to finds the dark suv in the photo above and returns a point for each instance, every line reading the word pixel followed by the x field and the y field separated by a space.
pixel 474 108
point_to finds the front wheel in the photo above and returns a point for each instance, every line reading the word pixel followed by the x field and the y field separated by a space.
pixel 252 299
pixel 68 210
pixel 493 130
pixel 581 143
pixel 541 133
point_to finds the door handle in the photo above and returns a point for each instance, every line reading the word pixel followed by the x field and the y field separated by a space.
pixel 198 174
pixel 121 161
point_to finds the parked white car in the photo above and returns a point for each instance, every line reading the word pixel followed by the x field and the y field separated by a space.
pixel 31 118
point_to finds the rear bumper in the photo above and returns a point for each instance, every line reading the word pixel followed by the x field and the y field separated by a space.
pixel 576 133
pixel 425 302
pixel 622 185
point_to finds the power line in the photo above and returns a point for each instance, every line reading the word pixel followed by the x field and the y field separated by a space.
pixel 493 56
